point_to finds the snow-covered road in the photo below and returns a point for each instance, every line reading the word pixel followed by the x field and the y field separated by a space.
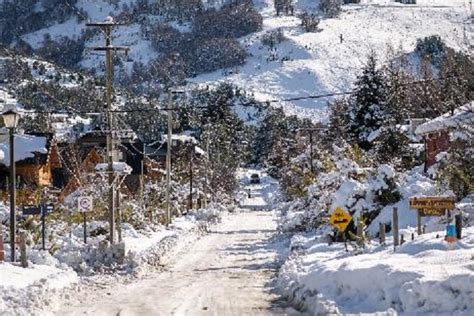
pixel 227 272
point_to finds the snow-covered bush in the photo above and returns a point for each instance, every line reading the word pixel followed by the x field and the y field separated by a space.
pixel 231 21
pixel 432 47
pixel 363 192
pixel 272 38
pixel 330 8
pixel 309 21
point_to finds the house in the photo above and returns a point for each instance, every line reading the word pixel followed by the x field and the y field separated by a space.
pixel 37 164
pixel 36 159
pixel 439 132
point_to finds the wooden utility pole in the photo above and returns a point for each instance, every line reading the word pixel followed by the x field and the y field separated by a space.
pixel 107 27
pixel 168 160
pixel 168 153
pixel 311 145
pixel 191 156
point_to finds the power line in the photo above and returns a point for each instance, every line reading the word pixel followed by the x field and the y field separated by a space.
pixel 299 98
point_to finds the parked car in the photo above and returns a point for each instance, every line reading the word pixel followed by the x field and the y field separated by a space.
pixel 254 178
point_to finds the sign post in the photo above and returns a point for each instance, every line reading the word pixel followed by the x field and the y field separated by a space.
pixel 43 210
pixel 431 206
pixel 84 205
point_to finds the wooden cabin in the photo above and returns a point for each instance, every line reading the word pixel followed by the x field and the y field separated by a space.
pixel 439 132
pixel 36 161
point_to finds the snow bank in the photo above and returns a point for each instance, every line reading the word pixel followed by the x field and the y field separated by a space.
pixel 28 291
pixel 37 289
pixel 420 277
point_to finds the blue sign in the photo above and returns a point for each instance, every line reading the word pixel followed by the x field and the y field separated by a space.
pixel 31 210
pixel 43 209
pixel 46 208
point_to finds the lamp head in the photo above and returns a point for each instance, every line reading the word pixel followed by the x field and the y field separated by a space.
pixel 11 118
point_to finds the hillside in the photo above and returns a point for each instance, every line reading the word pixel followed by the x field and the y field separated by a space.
pixel 317 63
pixel 304 63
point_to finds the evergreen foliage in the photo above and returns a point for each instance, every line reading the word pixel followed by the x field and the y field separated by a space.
pixel 368 104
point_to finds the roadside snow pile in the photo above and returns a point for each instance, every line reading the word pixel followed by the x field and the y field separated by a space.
pixel 139 247
pixel 420 277
pixel 28 291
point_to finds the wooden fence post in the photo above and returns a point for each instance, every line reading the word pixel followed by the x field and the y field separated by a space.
pixel 418 222
pixel 382 233
pixel 395 227
pixel 2 249
pixel 23 259
pixel 360 234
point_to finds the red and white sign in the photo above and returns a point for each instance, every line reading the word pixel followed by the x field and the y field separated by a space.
pixel 84 204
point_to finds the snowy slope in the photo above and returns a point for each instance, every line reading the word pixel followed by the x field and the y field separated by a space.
pixel 320 64
pixel 304 64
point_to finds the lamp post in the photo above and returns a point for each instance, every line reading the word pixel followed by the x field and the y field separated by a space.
pixel 10 118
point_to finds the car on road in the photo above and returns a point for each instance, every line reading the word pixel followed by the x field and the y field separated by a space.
pixel 254 178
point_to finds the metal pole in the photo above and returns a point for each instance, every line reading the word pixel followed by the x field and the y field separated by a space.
pixel 85 226
pixel 12 194
pixel 168 161
pixel 43 227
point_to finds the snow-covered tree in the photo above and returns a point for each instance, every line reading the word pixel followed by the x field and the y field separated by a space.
pixel 330 8
pixel 368 104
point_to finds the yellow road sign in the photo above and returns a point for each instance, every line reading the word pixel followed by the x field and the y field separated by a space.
pixel 340 219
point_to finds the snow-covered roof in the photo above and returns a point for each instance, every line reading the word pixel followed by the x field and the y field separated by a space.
pixel 183 138
pixel 119 167
pixel 198 150
pixel 463 116
pixel 26 146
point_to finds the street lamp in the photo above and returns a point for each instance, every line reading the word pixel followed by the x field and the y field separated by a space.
pixel 11 118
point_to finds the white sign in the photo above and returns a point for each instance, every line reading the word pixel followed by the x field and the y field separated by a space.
pixel 84 204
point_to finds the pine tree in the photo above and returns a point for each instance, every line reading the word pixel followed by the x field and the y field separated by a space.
pixel 454 82
pixel 367 107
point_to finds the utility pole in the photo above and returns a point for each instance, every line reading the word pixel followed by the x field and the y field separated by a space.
pixel 311 145
pixel 311 151
pixel 207 190
pixel 168 160
pixel 107 27
pixel 191 156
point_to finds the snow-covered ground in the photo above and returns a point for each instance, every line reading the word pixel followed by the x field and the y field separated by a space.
pixel 227 272
pixel 421 277
pixel 50 279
